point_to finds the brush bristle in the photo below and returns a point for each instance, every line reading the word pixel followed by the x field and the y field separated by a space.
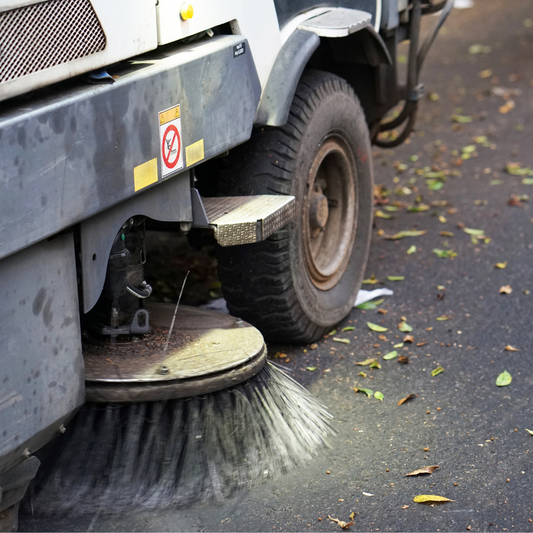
pixel 116 457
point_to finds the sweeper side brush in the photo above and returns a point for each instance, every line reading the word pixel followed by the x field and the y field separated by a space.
pixel 169 427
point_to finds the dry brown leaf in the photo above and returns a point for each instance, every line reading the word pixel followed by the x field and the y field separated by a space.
pixel 405 507
pixel 313 346
pixel 408 338
pixel 510 348
pixel 410 397
pixel 425 470
pixel 343 525
pixel 506 289
pixel 403 359
pixel 382 311
pixel 421 343
pixel 382 338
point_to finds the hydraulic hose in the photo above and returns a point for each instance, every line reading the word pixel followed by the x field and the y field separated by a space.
pixel 414 90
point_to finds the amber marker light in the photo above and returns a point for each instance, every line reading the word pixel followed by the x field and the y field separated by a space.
pixel 186 11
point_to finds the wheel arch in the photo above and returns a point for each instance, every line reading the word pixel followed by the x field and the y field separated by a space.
pixel 353 57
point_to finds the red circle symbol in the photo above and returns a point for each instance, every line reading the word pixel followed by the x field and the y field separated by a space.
pixel 170 153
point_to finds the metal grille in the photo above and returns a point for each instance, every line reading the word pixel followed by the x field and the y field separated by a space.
pixel 47 34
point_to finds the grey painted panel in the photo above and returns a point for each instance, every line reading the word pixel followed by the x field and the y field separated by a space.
pixel 41 365
pixel 71 153
pixel 283 80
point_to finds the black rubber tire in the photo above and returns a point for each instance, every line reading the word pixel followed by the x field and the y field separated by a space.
pixel 269 284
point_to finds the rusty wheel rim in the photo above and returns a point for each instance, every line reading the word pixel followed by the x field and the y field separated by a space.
pixel 329 214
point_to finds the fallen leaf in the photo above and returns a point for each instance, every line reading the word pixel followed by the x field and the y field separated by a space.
pixel 506 289
pixel 443 317
pixel 418 208
pixel 375 327
pixel 378 395
pixel 446 233
pixel 352 515
pixel 367 494
pixel 395 278
pixel 404 327
pixel 510 348
pixel 421 344
pixel 366 362
pixel 390 355
pixel 382 311
pixel 485 73
pixel 407 398
pixel 368 392
pixel 392 208
pixel 411 249
pixel 405 233
pixel 425 498
pixel 443 254
pixel 403 359
pixel 408 338
pixel 399 345
pixel 475 232
pixel 313 346
pixel 375 364
pixel 434 185
pixel 311 368
pixel 381 214
pixel 370 305
pixel 505 108
pixel 461 119
pixel 348 328
pixel 405 507
pixel 437 371
pixel 425 470
pixel 344 341
pixel 527 181
pixel 371 280
pixel 501 265
pixel 529 431
pixel 332 332
pixel 479 49
pixel 362 374
pixel 343 525
pixel 515 169
pixel 442 219
pixel 504 379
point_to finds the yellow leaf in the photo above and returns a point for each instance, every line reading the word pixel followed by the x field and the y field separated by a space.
pixel 431 498
pixel 501 265
pixel 510 348
pixel 366 362
pixel 506 289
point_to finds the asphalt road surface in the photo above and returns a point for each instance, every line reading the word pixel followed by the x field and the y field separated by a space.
pixel 481 68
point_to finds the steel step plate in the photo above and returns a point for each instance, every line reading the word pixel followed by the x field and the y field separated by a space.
pixel 247 219
pixel 337 22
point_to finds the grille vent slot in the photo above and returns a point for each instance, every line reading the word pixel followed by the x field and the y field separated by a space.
pixel 47 34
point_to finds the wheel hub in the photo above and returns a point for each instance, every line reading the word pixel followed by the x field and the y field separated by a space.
pixel 330 212
pixel 318 212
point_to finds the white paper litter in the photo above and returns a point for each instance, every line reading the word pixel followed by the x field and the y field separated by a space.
pixel 366 296
pixel 463 4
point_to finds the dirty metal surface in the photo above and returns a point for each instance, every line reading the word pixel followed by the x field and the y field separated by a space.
pixel 202 343
pixel 248 219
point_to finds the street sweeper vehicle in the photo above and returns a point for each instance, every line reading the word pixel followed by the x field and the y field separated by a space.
pixel 252 120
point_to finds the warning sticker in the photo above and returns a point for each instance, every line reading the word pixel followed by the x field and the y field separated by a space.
pixel 170 141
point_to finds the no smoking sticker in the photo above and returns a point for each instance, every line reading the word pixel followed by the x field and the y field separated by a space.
pixel 171 144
